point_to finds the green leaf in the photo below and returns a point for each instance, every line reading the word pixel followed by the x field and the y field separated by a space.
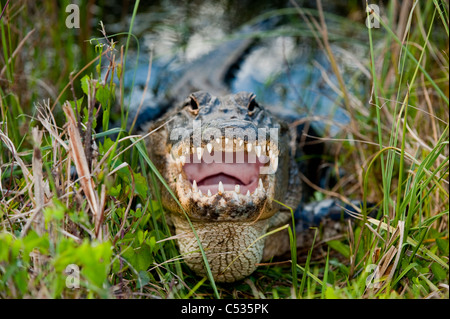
pixel 339 247
pixel 140 258
pixel 103 95
pixel 443 245
pixel 85 84
pixel 65 254
pixel 141 185
pixel 424 270
pixel 54 212
pixel 98 67
pixel 33 241
pixel 5 243
pixel 143 279
pixel 137 213
pixel 151 242
pixel 115 191
pixel 144 257
pixel 123 173
pixel 116 267
pixel 439 272
pixel 105 146
pixel 105 121
pixel 21 280
pixel 79 103
pixel 330 293
pixel 119 70
pixel 318 196
pixel 86 118
pixel 140 236
pixel 95 260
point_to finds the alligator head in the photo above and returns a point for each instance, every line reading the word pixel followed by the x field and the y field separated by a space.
pixel 225 159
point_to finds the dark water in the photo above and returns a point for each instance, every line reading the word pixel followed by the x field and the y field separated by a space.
pixel 286 68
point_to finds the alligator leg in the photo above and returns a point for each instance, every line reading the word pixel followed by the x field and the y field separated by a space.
pixel 312 214
pixel 327 215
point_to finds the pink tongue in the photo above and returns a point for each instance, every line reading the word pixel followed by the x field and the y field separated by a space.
pixel 208 175
pixel 225 179
pixel 229 183
pixel 243 172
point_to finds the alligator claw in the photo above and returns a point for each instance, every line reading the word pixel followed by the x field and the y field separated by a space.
pixel 312 214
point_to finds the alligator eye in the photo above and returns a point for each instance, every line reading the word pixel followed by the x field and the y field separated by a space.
pixel 252 105
pixel 193 105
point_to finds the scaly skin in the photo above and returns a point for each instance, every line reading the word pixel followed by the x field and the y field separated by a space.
pixel 229 221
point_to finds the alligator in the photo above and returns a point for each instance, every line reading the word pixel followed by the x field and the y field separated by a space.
pixel 231 166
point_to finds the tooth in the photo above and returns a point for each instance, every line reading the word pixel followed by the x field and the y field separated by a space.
pixel 256 192
pixel 226 140
pixel 260 184
pixel 248 193
pixel 194 186
pixel 235 197
pixel 258 150
pixel 209 193
pixel 249 147
pixel 221 190
pixel 199 153
pixel 237 188
pixel 241 142
pixel 200 192
pixel 183 159
pixel 209 147
pixel 270 152
pixel 275 163
pixel 264 148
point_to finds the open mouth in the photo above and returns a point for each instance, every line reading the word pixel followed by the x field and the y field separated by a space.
pixel 222 175
pixel 231 168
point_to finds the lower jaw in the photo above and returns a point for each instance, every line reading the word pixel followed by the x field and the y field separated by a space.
pixel 232 249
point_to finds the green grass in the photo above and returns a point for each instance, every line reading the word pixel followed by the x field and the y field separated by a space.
pixel 112 226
